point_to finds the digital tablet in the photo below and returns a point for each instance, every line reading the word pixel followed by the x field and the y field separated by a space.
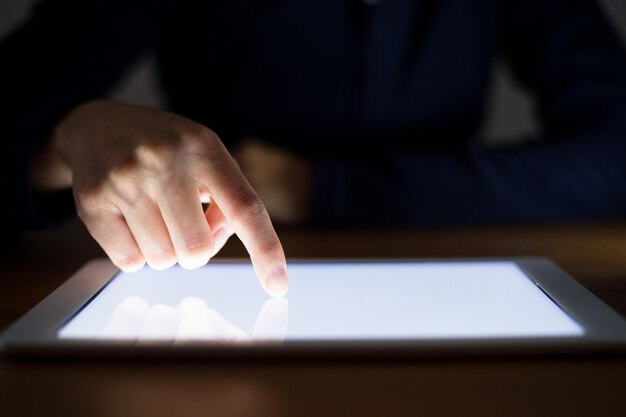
pixel 349 308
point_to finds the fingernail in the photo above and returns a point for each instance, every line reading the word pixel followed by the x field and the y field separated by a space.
pixel 277 282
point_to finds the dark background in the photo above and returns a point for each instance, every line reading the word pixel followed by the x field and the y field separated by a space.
pixel 510 112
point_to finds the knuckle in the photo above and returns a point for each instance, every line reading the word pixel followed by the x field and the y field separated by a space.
pixel 120 189
pixel 248 205
pixel 96 211
pixel 193 131
pixel 169 180
pixel 153 156
pixel 272 249
pixel 88 194
pixel 124 170
pixel 128 187
pixel 199 140
pixel 130 191
pixel 196 244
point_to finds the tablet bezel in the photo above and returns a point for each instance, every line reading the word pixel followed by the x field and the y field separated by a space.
pixel 35 333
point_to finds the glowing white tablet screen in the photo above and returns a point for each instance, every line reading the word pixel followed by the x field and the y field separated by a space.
pixel 326 301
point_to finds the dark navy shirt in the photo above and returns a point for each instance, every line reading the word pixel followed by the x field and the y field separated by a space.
pixel 386 99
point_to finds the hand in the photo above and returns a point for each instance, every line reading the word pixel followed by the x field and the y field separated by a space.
pixel 139 176
pixel 281 179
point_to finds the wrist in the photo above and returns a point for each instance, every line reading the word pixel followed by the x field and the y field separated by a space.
pixel 50 169
pixel 65 140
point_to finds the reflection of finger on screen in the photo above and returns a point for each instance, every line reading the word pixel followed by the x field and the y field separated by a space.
pixel 195 323
pixel 226 331
pixel 161 323
pixel 271 323
pixel 127 319
pixel 198 322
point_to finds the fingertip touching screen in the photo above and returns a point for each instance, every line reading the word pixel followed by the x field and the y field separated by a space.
pixel 223 303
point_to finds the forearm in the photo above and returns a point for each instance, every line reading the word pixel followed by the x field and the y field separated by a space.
pixel 49 172
pixel 577 178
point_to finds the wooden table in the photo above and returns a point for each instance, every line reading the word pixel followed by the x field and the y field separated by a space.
pixel 595 254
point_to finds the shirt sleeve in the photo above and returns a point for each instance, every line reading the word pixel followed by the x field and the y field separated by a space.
pixel 68 52
pixel 565 52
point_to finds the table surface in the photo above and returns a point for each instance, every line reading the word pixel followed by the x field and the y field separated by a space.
pixel 594 254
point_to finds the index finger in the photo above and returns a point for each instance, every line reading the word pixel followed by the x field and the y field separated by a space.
pixel 243 209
